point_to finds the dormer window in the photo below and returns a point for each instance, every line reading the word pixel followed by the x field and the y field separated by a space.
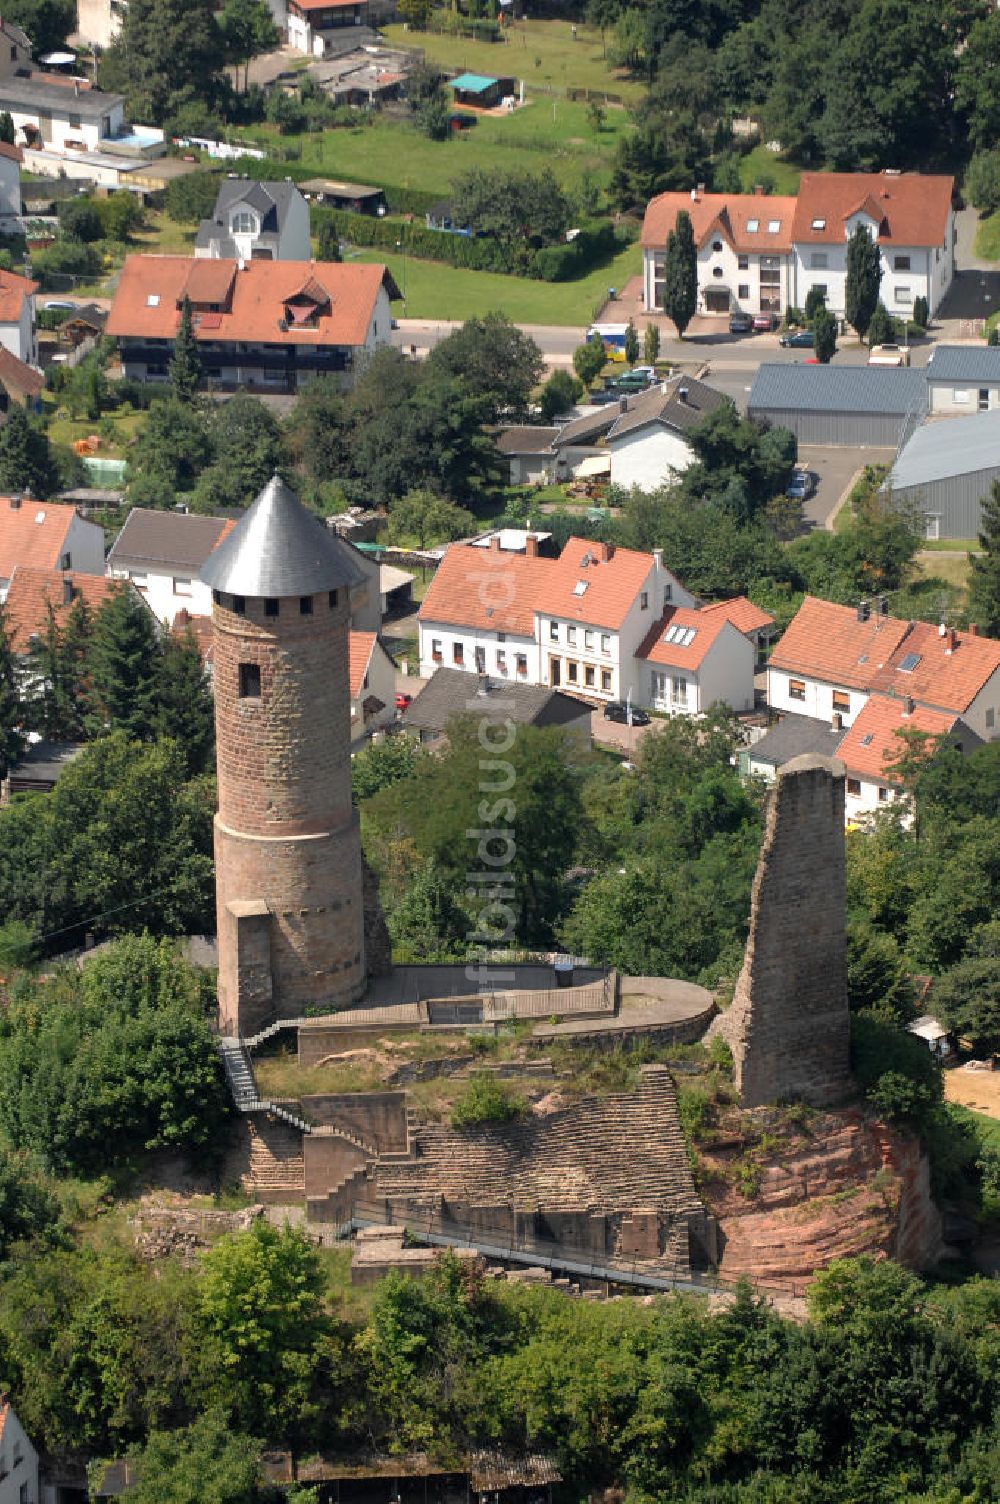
pixel 153 300
pixel 819 224
pixel 243 223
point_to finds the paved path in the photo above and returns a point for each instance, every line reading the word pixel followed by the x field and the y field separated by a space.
pixel 966 224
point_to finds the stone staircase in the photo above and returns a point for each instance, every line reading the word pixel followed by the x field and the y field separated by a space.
pixel 277 1171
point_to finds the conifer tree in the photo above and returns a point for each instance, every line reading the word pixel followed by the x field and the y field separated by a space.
pixel 26 462
pixel 680 291
pixel 651 344
pixel 184 708
pixel 57 671
pixel 631 344
pixel 12 738
pixel 984 577
pixel 124 662
pixel 864 273
pixel 185 363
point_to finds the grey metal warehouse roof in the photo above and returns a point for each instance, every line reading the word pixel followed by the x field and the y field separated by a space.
pixel 845 389
pixel 279 548
pixel 971 363
pixel 953 446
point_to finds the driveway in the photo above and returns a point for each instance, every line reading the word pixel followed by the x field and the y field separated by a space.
pixel 834 468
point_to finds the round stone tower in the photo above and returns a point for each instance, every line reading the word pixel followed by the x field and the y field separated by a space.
pixel 287 844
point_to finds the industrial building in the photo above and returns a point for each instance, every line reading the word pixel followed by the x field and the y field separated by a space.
pixel 946 469
pixel 857 406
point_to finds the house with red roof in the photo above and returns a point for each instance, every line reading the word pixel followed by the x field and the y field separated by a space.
pixel 46 535
pixel 872 746
pixel 833 658
pixel 599 621
pixel 760 253
pixel 18 330
pixel 372 675
pixel 33 592
pixel 696 659
pixel 268 326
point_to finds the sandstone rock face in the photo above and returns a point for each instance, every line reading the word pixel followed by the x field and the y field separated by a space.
pixel 845 1185
pixel 788 1026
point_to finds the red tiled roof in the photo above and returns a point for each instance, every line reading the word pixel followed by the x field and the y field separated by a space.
pixel 33 533
pixel 949 680
pixel 912 207
pixel 201 627
pixel 827 642
pixel 14 153
pixel 489 588
pixel 724 214
pixel 18 378
pixel 32 591
pixel 872 736
pixel 13 291
pixel 259 294
pixel 690 655
pixel 613 584
pixel 359 655
pixel 744 615
pixel 209 281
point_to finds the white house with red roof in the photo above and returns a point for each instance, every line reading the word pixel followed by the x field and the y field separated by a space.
pixel 18 329
pixel 833 658
pixel 592 622
pixel 266 326
pixel 373 684
pixel 873 744
pixel 46 535
pixel 696 659
pixel 19 1477
pixel 761 254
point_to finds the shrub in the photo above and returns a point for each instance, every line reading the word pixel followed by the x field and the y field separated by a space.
pixel 982 180
pixel 79 219
pixel 486 1100
pixel 921 312
pixel 191 198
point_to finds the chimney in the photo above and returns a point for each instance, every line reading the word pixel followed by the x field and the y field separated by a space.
pixel 701 187
pixel 942 629
pixel 864 610
pixel 837 721
pixel 694 195
pixel 952 641
pixel 682 392
pixel 495 541
pixel 183 617
pixel 658 557
pixel 909 705
pixel 531 546
pixel 15 503
pixel 607 552
pixel 67 590
pixel 758 189
pixel 973 629
pixel 883 606
pixel 623 404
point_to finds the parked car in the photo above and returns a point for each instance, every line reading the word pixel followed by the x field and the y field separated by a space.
pixel 888 355
pixel 629 385
pixel 798 339
pixel 619 711
pixel 740 323
pixel 403 700
pixel 764 323
pixel 58 304
pixel 800 486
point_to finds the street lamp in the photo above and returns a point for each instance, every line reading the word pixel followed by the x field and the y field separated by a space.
pixel 401 246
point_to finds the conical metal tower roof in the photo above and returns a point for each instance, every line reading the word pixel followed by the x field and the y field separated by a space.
pixel 280 548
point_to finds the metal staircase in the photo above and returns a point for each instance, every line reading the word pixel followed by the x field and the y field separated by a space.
pixel 238 1067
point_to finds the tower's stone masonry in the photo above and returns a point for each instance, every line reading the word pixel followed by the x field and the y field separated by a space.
pixel 289 879
pixel 788 1026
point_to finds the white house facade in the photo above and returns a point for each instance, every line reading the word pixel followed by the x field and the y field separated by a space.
pixel 694 662
pixel 262 221
pixel 762 254
pixel 19 1479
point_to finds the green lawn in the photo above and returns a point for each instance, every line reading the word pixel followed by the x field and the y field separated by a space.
pixel 953 569
pixel 162 236
pixel 987 242
pixel 545 133
pixel 539 52
pixel 436 291
pixel 761 164
pixel 126 426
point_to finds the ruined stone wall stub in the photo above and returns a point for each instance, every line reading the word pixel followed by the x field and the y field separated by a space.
pixel 789 1025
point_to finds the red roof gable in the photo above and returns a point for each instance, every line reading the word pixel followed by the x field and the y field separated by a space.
pixel 359 650
pixel 744 615
pixel 488 588
pixel 682 637
pixel 612 578
pixel 255 309
pixel 32 533
pixel 911 207
pixel 728 215
pixel 950 669
pixel 872 736
pixel 13 291
pixel 827 642
pixel 32 591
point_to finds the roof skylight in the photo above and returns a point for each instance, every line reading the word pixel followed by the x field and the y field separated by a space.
pixel 867 739
pixel 753 225
pixel 909 663
pixel 819 224
pixel 580 588
pixel 682 636
pixel 773 226
pixel 153 300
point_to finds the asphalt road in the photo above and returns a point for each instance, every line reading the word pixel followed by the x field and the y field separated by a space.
pixel 833 468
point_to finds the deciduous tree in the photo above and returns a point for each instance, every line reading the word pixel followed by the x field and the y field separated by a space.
pixel 495 360
pixel 165 58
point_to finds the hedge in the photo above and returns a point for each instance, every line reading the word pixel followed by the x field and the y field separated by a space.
pixel 552 263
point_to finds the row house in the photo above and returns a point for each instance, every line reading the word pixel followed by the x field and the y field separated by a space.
pixel 601 622
pixel 46 535
pixel 372 675
pixel 261 325
pixel 833 658
pixel 759 253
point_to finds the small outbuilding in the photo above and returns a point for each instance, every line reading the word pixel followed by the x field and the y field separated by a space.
pixel 963 379
pixel 452 692
pixel 479 90
pixel 857 406
pixel 332 193
pixel 945 469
